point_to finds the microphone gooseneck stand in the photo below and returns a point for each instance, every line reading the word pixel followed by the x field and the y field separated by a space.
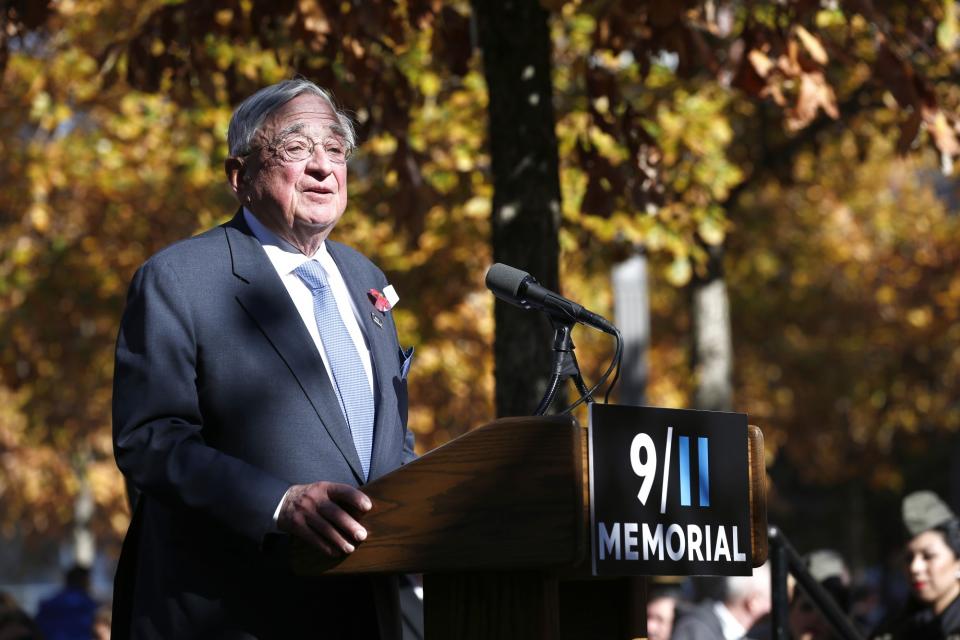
pixel 520 289
pixel 564 365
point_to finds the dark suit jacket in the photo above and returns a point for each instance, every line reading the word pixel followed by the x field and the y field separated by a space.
pixel 221 402
pixel 699 623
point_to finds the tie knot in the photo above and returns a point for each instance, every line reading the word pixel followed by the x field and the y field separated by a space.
pixel 312 275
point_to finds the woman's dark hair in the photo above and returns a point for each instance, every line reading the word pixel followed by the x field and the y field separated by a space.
pixel 951 533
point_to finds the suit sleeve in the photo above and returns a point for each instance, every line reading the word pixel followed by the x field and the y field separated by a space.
pixel 157 421
pixel 687 631
pixel 690 627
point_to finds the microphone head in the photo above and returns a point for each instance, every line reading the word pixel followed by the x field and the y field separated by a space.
pixel 505 282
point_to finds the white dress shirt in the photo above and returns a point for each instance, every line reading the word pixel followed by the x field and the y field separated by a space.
pixel 732 629
pixel 285 258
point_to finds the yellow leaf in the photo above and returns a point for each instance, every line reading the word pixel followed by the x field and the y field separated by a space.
pixel 381 145
pixel 477 207
pixel 224 17
pixel 711 230
pixel 430 84
pixel 920 317
pixel 947 29
pixel 39 217
pixel 679 272
pixel 886 295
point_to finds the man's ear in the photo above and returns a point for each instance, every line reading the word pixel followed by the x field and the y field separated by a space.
pixel 236 173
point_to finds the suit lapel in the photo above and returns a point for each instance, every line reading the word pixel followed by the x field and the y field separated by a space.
pixel 382 347
pixel 264 297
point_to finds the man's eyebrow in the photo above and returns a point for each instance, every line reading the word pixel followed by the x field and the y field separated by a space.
pixel 299 127
pixel 296 127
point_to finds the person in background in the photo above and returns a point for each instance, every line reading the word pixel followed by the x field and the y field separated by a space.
pixel 867 604
pixel 746 601
pixel 68 614
pixel 661 610
pixel 15 624
pixel 829 569
pixel 933 566
pixel 101 623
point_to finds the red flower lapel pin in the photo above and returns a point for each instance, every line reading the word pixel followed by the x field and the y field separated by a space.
pixel 379 300
pixel 382 301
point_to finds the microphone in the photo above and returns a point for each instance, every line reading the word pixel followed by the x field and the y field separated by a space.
pixel 521 289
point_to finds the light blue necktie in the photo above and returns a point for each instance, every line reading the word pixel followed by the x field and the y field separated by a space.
pixel 350 382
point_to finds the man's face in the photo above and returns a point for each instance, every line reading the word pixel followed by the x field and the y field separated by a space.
pixel 296 197
pixel 660 612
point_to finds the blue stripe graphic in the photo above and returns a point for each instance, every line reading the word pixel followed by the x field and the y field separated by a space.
pixel 703 451
pixel 684 471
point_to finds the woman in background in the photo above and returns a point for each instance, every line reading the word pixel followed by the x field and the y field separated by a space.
pixel 933 566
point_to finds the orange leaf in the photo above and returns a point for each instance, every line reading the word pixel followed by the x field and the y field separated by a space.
pixel 944 137
pixel 815 93
pixel 812 45
pixel 789 62
pixel 761 62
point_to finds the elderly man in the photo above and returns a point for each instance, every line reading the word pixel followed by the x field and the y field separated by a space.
pixel 746 601
pixel 258 383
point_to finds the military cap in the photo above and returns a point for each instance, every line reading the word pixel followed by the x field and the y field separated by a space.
pixel 924 510
pixel 824 564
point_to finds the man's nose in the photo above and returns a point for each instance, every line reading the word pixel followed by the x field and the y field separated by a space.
pixel 320 160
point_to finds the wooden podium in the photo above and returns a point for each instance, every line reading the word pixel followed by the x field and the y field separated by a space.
pixel 495 520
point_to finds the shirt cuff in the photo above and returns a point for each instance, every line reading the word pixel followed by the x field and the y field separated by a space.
pixel 276 513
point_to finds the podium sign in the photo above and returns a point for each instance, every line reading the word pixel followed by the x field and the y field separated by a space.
pixel 669 492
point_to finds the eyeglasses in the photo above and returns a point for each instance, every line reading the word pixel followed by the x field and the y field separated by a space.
pixel 296 147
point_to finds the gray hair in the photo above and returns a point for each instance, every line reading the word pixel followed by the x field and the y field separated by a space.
pixel 741 587
pixel 249 116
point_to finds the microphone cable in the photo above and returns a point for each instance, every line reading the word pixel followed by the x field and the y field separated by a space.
pixel 614 364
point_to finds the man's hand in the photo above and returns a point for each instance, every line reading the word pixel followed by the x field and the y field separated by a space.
pixel 324 514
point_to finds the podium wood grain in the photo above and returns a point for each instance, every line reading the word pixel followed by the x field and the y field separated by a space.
pixel 507 495
pixel 758 495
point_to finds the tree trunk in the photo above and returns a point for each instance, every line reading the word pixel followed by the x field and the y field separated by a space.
pixel 712 341
pixel 631 301
pixel 515 41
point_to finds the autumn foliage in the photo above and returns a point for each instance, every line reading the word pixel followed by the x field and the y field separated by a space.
pixel 807 139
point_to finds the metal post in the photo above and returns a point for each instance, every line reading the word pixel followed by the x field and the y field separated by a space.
pixel 780 601
pixel 785 560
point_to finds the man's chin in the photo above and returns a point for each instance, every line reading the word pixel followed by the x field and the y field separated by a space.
pixel 317 223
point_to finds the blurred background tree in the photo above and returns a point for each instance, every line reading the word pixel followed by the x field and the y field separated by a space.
pixel 800 145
